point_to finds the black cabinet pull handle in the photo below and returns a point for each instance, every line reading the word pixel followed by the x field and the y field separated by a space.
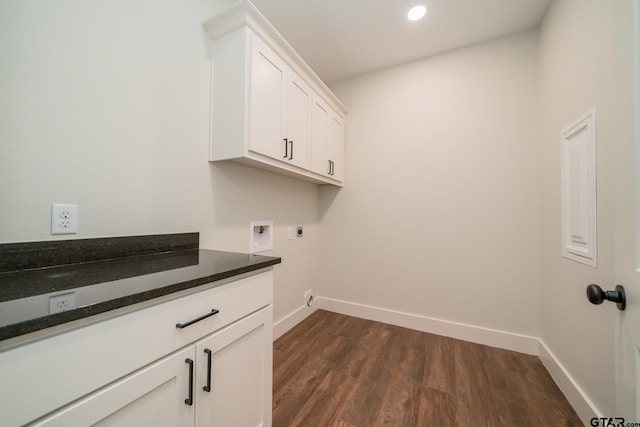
pixel 207 388
pixel 329 173
pixel 189 400
pixel 291 156
pixel 286 148
pixel 333 167
pixel 191 322
pixel 596 295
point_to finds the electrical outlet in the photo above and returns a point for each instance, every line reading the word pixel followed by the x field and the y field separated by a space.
pixel 64 219
pixel 299 231
pixel 63 302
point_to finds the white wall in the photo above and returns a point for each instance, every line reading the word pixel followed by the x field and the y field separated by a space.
pixel 580 67
pixel 106 104
pixel 439 216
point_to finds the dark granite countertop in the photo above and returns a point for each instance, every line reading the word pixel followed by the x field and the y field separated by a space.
pixel 100 285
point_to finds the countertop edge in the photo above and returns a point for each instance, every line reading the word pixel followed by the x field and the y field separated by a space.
pixel 31 326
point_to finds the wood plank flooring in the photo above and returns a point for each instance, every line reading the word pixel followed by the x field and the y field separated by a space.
pixel 333 370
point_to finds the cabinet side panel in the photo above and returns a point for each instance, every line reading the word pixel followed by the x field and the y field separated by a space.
pixel 228 95
pixel 267 340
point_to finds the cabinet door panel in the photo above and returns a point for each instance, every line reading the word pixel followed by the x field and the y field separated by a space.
pixel 319 127
pixel 154 396
pixel 335 147
pixel 266 118
pixel 327 141
pixel 241 374
pixel 298 118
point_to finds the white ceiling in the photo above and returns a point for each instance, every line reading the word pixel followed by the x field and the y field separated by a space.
pixel 343 38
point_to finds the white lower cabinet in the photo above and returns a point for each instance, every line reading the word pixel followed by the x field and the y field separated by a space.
pixel 202 359
pixel 236 390
pixel 223 380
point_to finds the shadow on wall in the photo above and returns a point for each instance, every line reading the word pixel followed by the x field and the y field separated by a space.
pixel 242 193
pixel 328 194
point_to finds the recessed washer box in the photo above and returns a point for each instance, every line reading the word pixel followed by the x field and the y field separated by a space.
pixel 260 236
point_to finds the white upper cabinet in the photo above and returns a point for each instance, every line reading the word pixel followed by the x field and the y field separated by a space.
pixel 320 163
pixel 335 147
pixel 327 142
pixel 298 124
pixel 279 108
pixel 267 102
pixel 264 98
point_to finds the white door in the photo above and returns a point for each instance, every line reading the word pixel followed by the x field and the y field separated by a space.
pixel 627 247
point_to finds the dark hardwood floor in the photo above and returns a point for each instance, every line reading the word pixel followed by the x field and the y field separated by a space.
pixel 335 370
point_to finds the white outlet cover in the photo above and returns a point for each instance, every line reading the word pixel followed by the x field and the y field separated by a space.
pixel 260 236
pixel 64 218
pixel 62 302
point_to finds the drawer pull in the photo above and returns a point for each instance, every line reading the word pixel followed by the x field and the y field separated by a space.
pixel 189 400
pixel 207 388
pixel 184 325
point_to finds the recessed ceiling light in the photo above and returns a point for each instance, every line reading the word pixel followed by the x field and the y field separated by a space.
pixel 416 12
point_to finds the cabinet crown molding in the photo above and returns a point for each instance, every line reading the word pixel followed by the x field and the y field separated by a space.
pixel 243 12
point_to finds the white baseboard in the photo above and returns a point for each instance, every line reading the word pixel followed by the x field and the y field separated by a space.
pixel 292 319
pixel 490 337
pixel 581 403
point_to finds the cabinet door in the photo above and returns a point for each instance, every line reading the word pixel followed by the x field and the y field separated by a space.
pixel 327 141
pixel 153 396
pixel 298 119
pixel 266 101
pixel 335 147
pixel 319 129
pixel 240 378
